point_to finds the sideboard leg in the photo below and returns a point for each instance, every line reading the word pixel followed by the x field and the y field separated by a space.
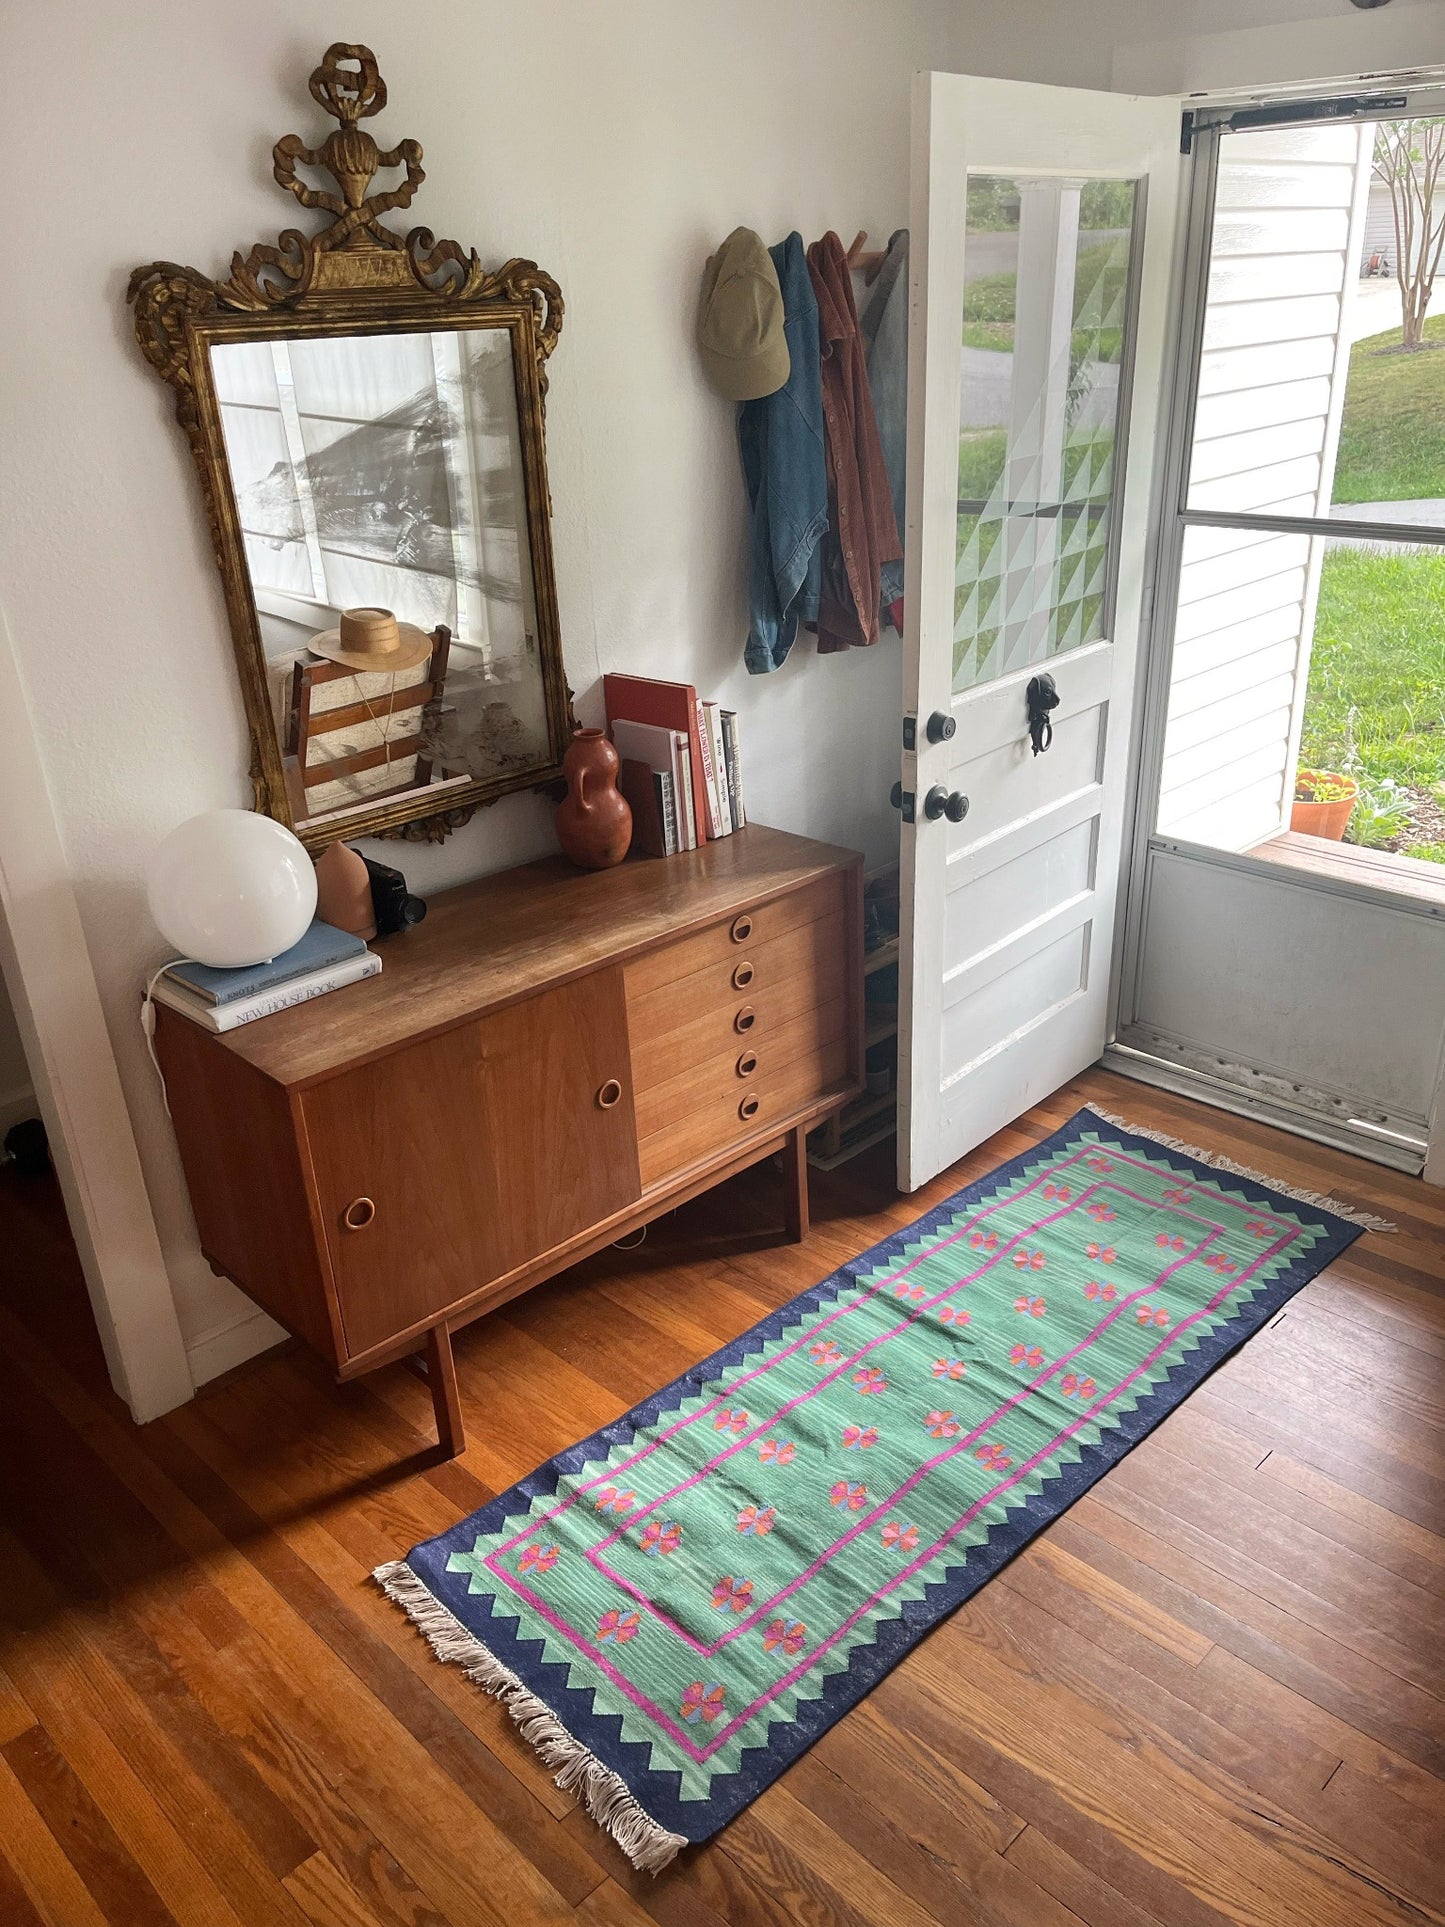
pixel 441 1374
pixel 795 1179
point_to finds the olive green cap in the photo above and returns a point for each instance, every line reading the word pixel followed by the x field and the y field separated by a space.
pixel 740 322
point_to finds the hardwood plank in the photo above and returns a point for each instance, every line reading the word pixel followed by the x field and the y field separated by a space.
pixel 1183 1810
pixel 124 1894
pixel 1089 1899
pixel 15 1715
pixel 16 1907
pixel 1377 1701
pixel 1070 1575
pixel 610 1906
pixel 1324 1585
pixel 326 1897
pixel 905 1831
pixel 1282 1768
pixel 52 1885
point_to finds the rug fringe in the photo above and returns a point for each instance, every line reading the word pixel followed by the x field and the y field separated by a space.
pixel 605 1794
pixel 1336 1206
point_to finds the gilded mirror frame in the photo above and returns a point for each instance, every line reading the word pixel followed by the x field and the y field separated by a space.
pixel 356 276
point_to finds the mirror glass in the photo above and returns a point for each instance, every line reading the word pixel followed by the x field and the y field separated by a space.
pixel 384 472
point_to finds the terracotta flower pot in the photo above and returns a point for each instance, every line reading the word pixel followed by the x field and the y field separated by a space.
pixel 1325 819
pixel 594 823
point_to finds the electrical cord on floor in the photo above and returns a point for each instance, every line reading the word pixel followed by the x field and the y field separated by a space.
pixel 148 1022
pixel 638 1242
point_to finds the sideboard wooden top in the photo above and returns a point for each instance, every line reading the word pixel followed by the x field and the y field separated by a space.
pixel 503 937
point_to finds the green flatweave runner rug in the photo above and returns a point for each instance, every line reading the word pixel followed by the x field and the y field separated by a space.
pixel 676 1608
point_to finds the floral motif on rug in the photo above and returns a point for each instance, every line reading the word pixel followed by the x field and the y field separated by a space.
pixel 677 1607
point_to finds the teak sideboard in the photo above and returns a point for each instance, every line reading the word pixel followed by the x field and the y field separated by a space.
pixel 552 1059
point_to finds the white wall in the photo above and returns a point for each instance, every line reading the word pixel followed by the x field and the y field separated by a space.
pixel 616 145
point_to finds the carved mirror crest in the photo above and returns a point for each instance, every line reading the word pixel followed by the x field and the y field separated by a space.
pixel 366 413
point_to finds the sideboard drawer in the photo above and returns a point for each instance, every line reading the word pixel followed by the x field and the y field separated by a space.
pixel 736 1110
pixel 448 1164
pixel 735 941
pixel 713 1027
pixel 721 1079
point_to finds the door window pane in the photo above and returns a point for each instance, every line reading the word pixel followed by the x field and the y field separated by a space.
pixel 1044 354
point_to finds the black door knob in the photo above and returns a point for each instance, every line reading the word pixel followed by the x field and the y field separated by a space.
pixel 902 801
pixel 940 727
pixel 942 802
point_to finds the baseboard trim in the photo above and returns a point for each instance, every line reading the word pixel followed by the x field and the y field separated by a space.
pixel 226 1346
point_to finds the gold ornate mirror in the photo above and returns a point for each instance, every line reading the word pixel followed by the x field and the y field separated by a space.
pixel 366 415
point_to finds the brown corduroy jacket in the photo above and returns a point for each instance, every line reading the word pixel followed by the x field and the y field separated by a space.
pixel 862 530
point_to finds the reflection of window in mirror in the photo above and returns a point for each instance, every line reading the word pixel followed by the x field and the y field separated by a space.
pixel 386 470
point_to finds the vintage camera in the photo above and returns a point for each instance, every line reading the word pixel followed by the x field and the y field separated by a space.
pixel 394 905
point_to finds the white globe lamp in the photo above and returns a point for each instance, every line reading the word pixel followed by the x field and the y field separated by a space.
pixel 231 888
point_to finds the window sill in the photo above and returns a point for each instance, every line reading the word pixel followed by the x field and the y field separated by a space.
pixel 1406 875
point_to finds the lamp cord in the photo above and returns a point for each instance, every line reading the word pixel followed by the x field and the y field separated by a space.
pixel 148 1022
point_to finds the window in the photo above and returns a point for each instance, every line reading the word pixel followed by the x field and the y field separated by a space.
pixel 1307 560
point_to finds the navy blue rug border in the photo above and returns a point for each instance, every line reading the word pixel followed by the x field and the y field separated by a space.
pixel 698 1820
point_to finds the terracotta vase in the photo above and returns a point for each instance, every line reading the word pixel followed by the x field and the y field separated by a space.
pixel 594 824
pixel 343 891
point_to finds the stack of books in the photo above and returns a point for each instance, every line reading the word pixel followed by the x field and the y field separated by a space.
pixel 680 764
pixel 325 959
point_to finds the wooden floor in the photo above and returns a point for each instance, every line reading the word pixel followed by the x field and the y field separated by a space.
pixel 1210 1692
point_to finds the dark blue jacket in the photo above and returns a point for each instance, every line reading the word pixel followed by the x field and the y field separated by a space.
pixel 781 439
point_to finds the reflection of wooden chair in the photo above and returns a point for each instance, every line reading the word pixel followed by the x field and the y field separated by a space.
pixel 339 750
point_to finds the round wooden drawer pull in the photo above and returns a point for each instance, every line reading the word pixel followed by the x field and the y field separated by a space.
pixel 358 1214
pixel 743 976
pixel 610 1094
pixel 750 1105
pixel 745 1018
pixel 747 1063
pixel 742 929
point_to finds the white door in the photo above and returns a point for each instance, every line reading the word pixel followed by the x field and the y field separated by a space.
pixel 1043 228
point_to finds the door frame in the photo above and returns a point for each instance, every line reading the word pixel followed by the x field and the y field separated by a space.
pixel 48 972
pixel 1203 119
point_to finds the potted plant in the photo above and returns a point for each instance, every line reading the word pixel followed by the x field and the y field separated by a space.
pixel 1323 802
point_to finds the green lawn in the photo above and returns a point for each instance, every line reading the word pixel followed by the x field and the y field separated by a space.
pixel 988 303
pixel 1392 437
pixel 1376 699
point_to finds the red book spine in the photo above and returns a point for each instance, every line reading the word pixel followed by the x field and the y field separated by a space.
pixel 672 705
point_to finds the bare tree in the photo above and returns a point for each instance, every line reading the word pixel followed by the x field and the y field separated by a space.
pixel 1410 159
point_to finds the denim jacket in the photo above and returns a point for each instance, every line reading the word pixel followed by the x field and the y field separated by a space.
pixel 781 439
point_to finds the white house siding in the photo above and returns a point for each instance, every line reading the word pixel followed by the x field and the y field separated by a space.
pixel 1288 217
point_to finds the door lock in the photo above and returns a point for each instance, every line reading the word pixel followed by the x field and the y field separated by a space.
pixel 902 801
pixel 938 729
pixel 942 802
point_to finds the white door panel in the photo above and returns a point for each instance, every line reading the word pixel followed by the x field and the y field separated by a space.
pixel 1034 391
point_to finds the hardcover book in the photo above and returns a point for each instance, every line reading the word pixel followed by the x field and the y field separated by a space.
pixel 321 946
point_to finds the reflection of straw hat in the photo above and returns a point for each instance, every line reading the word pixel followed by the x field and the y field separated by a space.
pixel 373 640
